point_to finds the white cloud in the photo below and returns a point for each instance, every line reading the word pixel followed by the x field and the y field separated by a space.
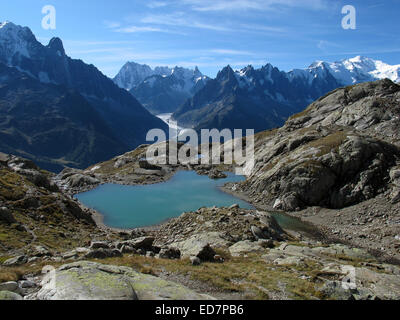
pixel 231 52
pixel 156 4
pixel 179 19
pixel 111 24
pixel 235 5
pixel 135 29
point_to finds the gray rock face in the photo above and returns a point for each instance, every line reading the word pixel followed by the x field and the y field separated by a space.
pixel 335 154
pixel 92 281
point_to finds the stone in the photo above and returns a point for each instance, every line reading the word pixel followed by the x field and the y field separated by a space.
pixel 193 245
pixel 215 174
pixel 288 261
pixel 127 249
pixel 9 286
pixel 145 243
pixel 103 253
pixel 41 251
pixel 82 250
pixel 206 253
pixel 70 255
pixel 170 253
pixel 234 206
pixel 270 228
pixel 245 247
pixel 6 216
pixel 334 290
pixel 93 281
pixel 16 261
pixel 7 295
pixel 99 244
pixel 195 261
pixel 27 284
pixel 80 180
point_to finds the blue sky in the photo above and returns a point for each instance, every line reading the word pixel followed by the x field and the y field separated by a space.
pixel 213 33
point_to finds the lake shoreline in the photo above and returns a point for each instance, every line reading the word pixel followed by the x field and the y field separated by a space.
pixel 99 217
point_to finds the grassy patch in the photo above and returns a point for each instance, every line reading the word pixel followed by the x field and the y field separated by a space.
pixel 329 143
pixel 250 276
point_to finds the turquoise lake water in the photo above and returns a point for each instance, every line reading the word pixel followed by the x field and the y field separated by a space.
pixel 128 207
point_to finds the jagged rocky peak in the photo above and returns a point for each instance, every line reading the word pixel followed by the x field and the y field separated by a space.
pixel 133 74
pixel 226 73
pixel 56 45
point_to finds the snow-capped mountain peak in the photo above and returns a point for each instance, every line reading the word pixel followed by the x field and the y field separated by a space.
pixel 15 40
pixel 360 69
pixel 133 74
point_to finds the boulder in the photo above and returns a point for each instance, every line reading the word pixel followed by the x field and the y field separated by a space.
pixel 27 284
pixel 145 243
pixel 7 295
pixel 9 286
pixel 216 174
pixel 195 261
pixel 196 243
pixel 93 281
pixel 170 253
pixel 81 180
pixel 16 261
pixel 70 255
pixel 245 247
pixel 41 251
pixel 206 253
pixel 99 244
pixel 128 249
pixel 269 229
pixel 7 216
pixel 103 253
pixel 334 290
pixel 4 158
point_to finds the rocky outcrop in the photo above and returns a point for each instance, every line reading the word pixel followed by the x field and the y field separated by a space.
pixel 217 227
pixel 34 211
pixel 337 153
pixel 339 280
pixel 93 281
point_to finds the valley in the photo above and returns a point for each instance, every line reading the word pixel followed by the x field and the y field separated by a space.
pixel 231 252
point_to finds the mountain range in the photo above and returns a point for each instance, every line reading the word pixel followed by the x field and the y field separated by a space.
pixel 162 89
pixel 264 98
pixel 61 112
pixel 57 89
